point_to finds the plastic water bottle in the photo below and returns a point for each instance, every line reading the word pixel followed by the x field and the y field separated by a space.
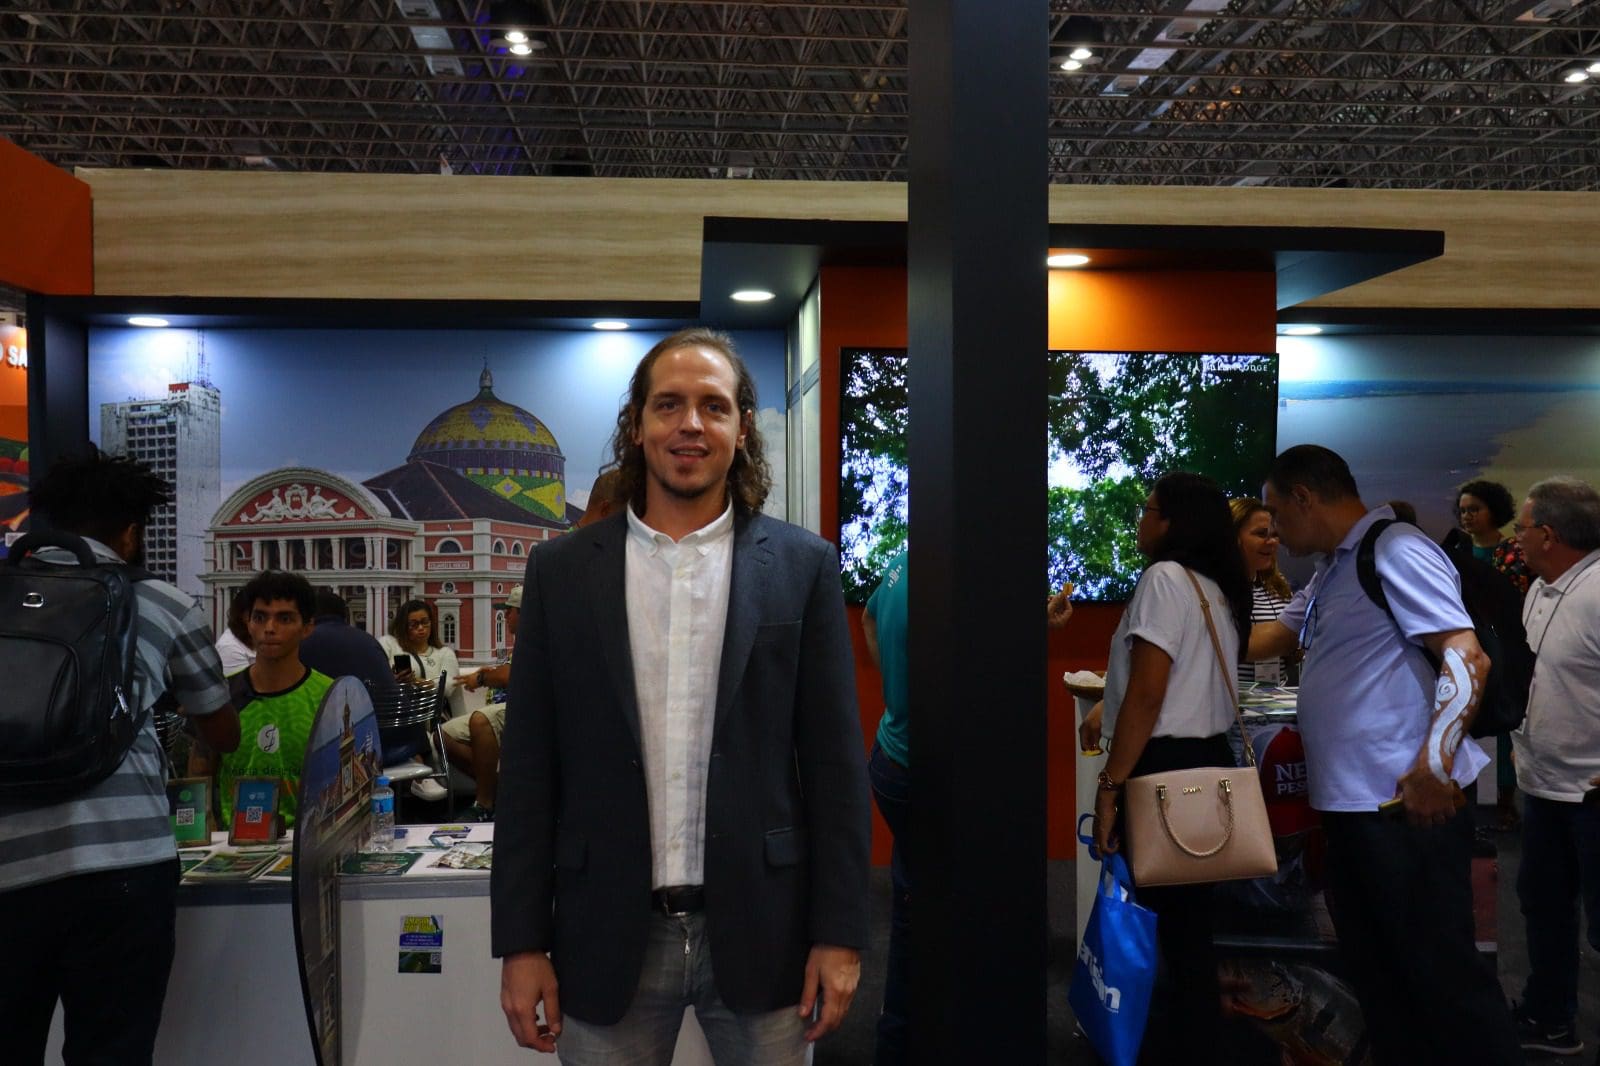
pixel 382 816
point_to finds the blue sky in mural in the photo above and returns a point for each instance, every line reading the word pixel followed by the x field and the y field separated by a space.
pixel 353 401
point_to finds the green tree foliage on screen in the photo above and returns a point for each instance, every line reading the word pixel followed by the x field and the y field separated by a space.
pixel 1117 422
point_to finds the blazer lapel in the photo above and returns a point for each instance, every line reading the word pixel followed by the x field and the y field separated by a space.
pixel 746 592
pixel 610 539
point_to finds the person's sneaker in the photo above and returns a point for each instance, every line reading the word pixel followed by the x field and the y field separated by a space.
pixel 428 790
pixel 1548 1039
pixel 479 813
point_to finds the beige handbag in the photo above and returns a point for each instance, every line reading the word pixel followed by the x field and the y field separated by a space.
pixel 1188 827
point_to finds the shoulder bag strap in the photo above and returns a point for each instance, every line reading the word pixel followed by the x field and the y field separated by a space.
pixel 1222 665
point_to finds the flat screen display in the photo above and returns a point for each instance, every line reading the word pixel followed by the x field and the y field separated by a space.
pixel 1117 422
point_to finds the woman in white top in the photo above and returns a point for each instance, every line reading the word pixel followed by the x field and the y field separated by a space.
pixel 234 647
pixel 1167 706
pixel 414 633
pixel 1269 589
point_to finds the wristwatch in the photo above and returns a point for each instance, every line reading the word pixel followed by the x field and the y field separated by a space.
pixel 1108 785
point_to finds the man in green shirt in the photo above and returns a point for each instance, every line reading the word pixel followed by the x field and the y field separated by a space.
pixel 277 696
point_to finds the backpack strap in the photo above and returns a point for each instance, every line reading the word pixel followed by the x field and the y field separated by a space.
pixel 1372 584
pixel 29 543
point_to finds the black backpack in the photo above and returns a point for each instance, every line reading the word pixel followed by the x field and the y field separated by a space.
pixel 68 644
pixel 1495 607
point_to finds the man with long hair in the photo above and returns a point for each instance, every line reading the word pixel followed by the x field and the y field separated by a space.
pixel 683 816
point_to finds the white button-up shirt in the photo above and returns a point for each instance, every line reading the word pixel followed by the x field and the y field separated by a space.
pixel 1558 743
pixel 677 597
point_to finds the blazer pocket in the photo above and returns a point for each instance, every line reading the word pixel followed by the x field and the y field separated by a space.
pixel 778 633
pixel 571 852
pixel 785 847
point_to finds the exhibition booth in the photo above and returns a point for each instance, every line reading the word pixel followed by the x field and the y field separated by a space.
pixel 341 424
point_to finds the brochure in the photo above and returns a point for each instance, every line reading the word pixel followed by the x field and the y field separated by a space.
pixel 378 863
pixel 467 855
pixel 231 865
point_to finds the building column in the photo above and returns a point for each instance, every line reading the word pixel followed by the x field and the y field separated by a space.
pixel 977 237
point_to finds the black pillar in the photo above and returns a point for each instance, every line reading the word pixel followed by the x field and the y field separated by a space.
pixel 978 236
pixel 58 386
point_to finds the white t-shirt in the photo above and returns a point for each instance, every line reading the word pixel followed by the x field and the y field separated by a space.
pixel 1165 612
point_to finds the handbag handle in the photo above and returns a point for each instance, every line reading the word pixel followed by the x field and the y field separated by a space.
pixel 1223 786
pixel 1227 680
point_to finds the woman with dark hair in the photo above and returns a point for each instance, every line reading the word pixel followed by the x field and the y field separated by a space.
pixel 1483 508
pixel 1168 706
pixel 235 648
pixel 414 634
pixel 1257 534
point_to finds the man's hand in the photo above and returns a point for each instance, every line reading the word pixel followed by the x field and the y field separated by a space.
pixel 1058 609
pixel 832 974
pixel 471 681
pixel 526 980
pixel 1427 800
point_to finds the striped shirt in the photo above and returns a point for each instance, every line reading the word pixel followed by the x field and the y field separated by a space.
pixel 1265 606
pixel 124 820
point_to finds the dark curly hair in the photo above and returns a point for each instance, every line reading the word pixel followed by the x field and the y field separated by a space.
pixel 97 495
pixel 1200 536
pixel 270 585
pixel 1495 496
pixel 750 477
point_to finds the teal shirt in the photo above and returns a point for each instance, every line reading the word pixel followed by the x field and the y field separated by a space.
pixel 888 609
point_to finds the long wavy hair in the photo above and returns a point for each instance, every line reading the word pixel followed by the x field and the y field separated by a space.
pixel 1244 509
pixel 1200 536
pixel 750 477
pixel 397 625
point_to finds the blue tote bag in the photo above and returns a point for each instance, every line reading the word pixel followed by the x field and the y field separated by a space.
pixel 1116 967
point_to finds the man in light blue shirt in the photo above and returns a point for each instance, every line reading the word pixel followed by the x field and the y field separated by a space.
pixel 1383 727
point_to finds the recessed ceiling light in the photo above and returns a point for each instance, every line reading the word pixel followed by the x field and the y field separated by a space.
pixel 1300 331
pixel 610 323
pixel 147 320
pixel 754 296
pixel 1575 76
pixel 1594 68
pixel 1080 53
pixel 517 36
pixel 1071 64
pixel 1069 260
pixel 522 49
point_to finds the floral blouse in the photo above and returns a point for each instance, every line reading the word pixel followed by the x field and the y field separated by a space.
pixel 1507 558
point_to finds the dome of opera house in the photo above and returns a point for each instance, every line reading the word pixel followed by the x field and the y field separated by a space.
pixel 487 436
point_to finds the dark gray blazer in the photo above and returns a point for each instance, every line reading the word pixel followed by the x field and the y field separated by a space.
pixel 788 829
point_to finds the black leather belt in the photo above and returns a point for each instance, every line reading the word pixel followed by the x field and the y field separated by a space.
pixel 676 901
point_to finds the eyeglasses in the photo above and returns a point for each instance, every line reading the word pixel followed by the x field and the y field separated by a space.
pixel 418 623
pixel 1308 628
pixel 1519 529
pixel 1471 508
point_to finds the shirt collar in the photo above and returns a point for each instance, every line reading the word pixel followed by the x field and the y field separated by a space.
pixel 1564 582
pixel 701 540
pixel 101 552
pixel 1353 538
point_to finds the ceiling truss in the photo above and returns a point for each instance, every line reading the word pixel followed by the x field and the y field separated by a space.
pixel 1441 94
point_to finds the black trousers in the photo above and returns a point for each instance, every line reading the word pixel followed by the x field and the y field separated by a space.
pixel 1401 900
pixel 1188 999
pixel 102 944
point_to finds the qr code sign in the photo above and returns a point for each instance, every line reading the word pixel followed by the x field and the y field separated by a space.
pixel 185 816
pixel 252 815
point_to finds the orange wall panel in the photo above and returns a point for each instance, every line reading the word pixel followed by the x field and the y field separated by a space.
pixel 1156 311
pixel 46 226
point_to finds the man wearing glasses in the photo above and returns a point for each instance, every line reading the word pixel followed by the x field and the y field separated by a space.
pixel 1385 764
pixel 1558 755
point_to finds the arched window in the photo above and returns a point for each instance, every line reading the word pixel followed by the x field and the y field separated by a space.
pixel 498 547
pixel 516 548
pixel 499 629
pixel 447 629
pixel 448 547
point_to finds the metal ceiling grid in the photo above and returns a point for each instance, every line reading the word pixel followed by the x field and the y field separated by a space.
pixel 1359 93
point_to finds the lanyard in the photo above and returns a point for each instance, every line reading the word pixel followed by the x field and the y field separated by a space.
pixel 1562 595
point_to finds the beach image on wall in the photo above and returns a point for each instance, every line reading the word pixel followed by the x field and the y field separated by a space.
pixel 384 464
pixel 1415 417
pixel 1117 421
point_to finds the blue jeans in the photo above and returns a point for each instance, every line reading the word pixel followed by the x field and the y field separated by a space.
pixel 1560 866
pixel 891 788
pixel 677 974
